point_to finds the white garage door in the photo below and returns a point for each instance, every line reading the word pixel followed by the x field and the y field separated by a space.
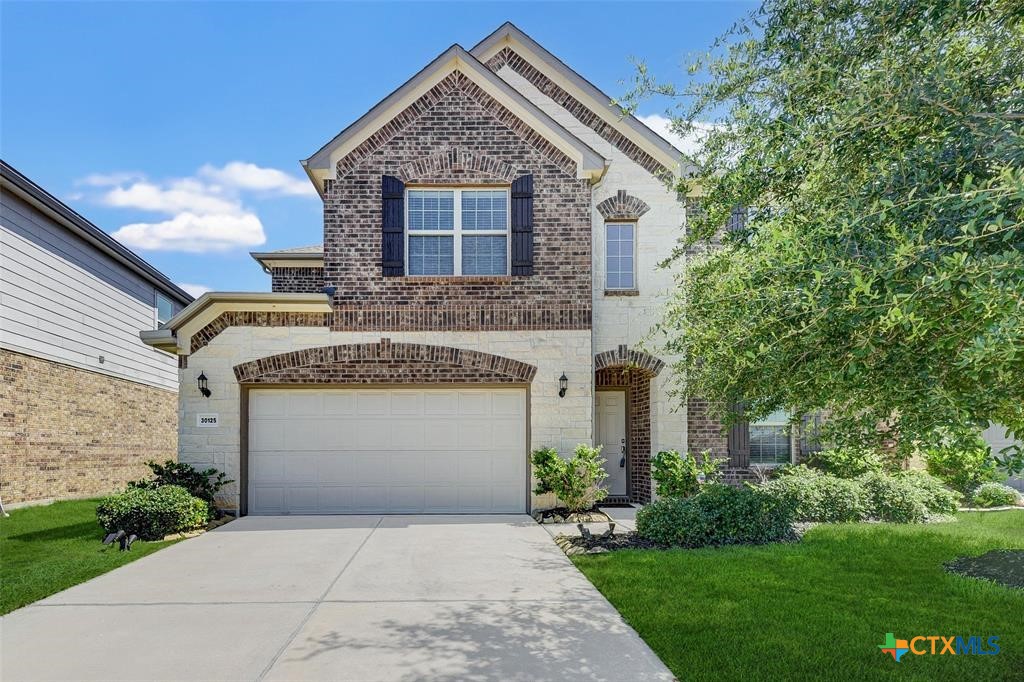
pixel 349 451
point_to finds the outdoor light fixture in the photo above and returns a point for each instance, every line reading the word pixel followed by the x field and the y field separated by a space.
pixel 563 383
pixel 329 290
pixel 202 385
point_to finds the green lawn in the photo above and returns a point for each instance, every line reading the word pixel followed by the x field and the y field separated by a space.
pixel 47 549
pixel 818 609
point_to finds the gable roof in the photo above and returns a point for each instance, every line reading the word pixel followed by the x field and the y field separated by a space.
pixel 20 186
pixel 509 35
pixel 322 164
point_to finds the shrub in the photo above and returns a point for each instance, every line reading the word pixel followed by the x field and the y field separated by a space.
pixel 576 482
pixel 203 484
pixel 994 495
pixel 892 498
pixel 937 498
pixel 717 515
pixel 816 496
pixel 963 463
pixel 678 475
pixel 850 462
pixel 152 513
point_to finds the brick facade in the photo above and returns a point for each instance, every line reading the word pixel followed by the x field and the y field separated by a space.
pixel 458 135
pixel 510 58
pixel 296 280
pixel 68 432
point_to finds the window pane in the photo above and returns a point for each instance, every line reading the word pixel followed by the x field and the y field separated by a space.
pixel 484 256
pixel 769 444
pixel 431 209
pixel 431 255
pixel 619 260
pixel 164 309
pixel 484 209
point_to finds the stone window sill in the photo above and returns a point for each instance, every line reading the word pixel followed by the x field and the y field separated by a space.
pixel 621 292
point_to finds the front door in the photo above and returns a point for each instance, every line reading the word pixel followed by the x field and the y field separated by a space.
pixel 611 436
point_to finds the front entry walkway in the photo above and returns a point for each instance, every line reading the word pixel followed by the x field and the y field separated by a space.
pixel 335 598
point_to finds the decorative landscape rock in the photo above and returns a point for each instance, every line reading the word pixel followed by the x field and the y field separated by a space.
pixel 1003 566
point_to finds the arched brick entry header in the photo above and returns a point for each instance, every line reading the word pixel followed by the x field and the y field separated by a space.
pixel 625 357
pixel 384 362
pixel 622 206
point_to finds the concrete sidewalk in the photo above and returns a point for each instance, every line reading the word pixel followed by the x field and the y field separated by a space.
pixel 335 598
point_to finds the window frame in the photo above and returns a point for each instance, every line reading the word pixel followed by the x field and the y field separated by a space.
pixel 786 423
pixel 156 308
pixel 619 223
pixel 457 233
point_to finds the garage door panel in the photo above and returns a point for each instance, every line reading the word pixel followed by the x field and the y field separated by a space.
pixel 335 467
pixel 370 498
pixel 459 450
pixel 305 403
pixel 409 435
pixel 475 435
pixel 369 403
pixel 266 435
pixel 406 468
pixel 302 499
pixel 442 467
pixel 405 499
pixel 301 467
pixel 474 403
pixel 441 403
pixel 340 404
pixel 335 499
pixel 266 467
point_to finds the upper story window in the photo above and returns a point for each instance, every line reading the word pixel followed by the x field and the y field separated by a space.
pixel 455 231
pixel 164 309
pixel 770 441
pixel 620 255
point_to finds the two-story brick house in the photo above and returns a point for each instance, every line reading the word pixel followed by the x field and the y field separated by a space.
pixel 491 235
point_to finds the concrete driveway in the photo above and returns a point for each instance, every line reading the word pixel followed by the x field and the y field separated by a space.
pixel 335 598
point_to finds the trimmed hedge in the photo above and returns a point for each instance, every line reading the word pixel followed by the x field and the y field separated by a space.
pixel 816 496
pixel 994 495
pixel 717 515
pixel 152 513
pixel 906 497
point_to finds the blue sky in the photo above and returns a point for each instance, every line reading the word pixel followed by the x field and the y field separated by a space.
pixel 178 126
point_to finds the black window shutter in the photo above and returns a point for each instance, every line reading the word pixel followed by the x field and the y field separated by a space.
pixel 392 198
pixel 522 225
pixel 739 442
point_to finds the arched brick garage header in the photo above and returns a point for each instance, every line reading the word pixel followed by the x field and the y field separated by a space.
pixel 385 362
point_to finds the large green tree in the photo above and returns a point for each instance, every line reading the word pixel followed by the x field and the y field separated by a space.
pixel 877 146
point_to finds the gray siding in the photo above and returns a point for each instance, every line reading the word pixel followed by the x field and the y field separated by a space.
pixel 63 300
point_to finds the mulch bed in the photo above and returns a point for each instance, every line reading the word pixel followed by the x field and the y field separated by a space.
pixel 1002 566
pixel 597 544
pixel 563 515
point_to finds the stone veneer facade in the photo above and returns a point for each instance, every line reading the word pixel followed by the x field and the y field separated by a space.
pixel 67 432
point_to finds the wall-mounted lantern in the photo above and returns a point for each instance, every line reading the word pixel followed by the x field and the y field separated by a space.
pixel 203 388
pixel 563 384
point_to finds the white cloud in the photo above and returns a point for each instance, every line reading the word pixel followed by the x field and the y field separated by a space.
pixel 176 197
pixel 194 233
pixel 688 144
pixel 205 212
pixel 249 176
pixel 194 290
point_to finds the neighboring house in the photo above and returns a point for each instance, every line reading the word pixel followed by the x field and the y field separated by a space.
pixel 84 402
pixel 492 231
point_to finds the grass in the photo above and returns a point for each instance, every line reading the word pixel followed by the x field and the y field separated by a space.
pixel 44 550
pixel 818 609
